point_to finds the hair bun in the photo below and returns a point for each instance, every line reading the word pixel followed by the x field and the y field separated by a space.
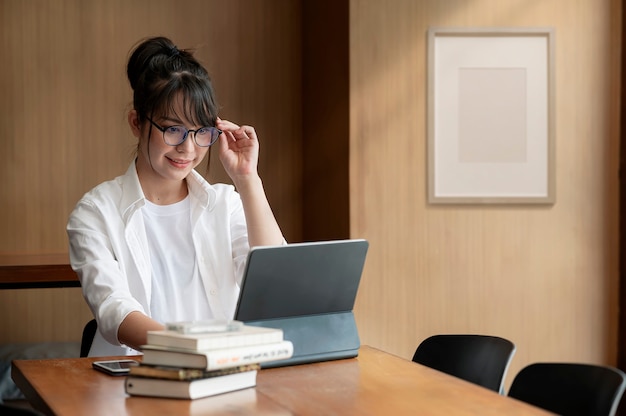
pixel 174 51
pixel 158 70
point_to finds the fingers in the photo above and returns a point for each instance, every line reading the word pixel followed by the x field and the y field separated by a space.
pixel 235 132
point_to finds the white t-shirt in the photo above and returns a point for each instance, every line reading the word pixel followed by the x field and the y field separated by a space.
pixel 177 290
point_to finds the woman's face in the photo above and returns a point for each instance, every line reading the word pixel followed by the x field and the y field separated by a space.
pixel 162 161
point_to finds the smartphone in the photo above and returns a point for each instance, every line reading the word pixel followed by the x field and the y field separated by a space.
pixel 115 367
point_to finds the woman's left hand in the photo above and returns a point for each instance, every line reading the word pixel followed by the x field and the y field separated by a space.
pixel 239 149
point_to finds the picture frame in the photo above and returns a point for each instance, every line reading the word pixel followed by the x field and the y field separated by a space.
pixel 491 116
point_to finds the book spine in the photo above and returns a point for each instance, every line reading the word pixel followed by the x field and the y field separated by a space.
pixel 252 339
pixel 218 359
pixel 255 354
pixel 195 389
pixel 194 344
pixel 187 374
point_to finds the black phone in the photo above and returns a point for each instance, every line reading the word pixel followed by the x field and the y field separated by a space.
pixel 115 367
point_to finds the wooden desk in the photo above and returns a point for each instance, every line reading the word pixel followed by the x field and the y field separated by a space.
pixel 24 271
pixel 374 383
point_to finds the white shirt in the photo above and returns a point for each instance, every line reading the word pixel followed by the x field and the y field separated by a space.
pixel 109 251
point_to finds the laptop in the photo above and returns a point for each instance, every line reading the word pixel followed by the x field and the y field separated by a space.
pixel 307 290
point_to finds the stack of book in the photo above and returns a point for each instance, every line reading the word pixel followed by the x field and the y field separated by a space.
pixel 191 366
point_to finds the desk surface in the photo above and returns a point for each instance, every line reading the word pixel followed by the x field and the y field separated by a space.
pixel 374 383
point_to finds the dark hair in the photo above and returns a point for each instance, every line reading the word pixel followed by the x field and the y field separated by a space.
pixel 158 71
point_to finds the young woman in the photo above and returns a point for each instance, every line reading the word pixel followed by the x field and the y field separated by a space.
pixel 159 243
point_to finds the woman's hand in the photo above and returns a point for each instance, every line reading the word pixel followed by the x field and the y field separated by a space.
pixel 239 150
pixel 239 153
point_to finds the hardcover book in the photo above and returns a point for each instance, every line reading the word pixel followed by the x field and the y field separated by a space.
pixel 186 374
pixel 192 389
pixel 217 358
pixel 245 335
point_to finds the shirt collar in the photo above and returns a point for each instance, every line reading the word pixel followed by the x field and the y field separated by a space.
pixel 200 189
pixel 132 194
pixel 133 197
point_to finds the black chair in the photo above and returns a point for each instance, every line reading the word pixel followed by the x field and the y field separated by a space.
pixel 10 410
pixel 480 359
pixel 570 389
pixel 88 333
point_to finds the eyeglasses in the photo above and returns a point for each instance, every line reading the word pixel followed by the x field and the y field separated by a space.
pixel 175 135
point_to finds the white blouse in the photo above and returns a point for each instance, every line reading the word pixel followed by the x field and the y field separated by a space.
pixel 109 251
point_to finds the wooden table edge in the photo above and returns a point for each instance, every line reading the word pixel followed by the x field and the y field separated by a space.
pixel 30 392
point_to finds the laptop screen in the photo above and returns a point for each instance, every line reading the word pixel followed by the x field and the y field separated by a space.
pixel 301 279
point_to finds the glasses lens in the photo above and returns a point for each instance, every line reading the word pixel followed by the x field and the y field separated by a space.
pixel 174 135
pixel 206 136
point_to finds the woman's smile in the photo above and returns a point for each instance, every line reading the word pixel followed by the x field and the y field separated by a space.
pixel 180 163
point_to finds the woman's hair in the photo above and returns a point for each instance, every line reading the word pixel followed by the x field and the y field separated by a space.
pixel 159 72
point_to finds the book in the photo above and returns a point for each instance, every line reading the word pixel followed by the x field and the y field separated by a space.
pixel 245 335
pixel 217 358
pixel 189 389
pixel 186 374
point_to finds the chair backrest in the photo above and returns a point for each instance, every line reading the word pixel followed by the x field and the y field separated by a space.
pixel 570 388
pixel 10 410
pixel 480 359
pixel 89 331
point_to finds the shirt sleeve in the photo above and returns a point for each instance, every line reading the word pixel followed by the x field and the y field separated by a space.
pixel 92 256
pixel 239 236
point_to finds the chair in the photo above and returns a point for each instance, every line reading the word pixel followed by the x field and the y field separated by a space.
pixel 570 388
pixel 10 410
pixel 480 359
pixel 88 333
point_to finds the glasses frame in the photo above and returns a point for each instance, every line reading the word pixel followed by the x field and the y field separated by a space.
pixel 164 129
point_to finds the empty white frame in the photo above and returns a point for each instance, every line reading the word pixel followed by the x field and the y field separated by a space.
pixel 490 115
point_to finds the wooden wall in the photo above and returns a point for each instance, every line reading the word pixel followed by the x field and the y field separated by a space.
pixel 63 118
pixel 325 121
pixel 544 277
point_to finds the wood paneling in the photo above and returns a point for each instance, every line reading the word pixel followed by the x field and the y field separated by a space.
pixel 42 315
pixel 326 106
pixel 544 277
